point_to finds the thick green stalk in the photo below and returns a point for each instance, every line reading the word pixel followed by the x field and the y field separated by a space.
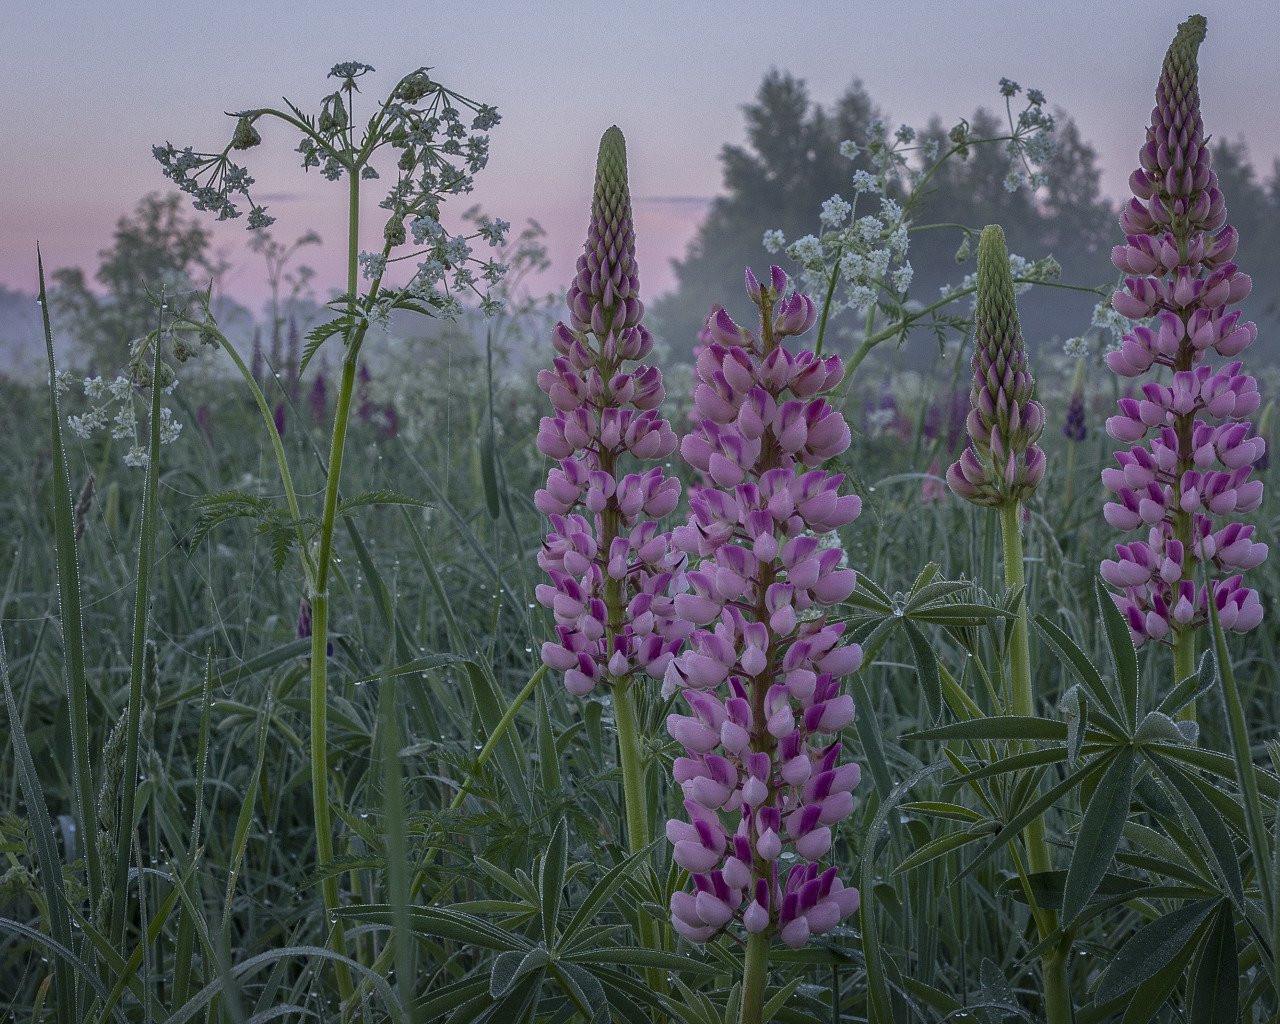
pixel 633 775
pixel 320 602
pixel 755 972
pixel 1057 993
pixel 1184 664
pixel 635 798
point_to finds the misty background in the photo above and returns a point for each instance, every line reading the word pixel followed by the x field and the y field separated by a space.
pixel 733 114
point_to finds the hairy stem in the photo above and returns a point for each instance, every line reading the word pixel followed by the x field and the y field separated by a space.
pixel 755 972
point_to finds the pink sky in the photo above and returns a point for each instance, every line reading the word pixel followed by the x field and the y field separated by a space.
pixel 91 86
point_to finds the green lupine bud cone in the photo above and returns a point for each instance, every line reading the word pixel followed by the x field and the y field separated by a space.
pixel 1180 73
pixel 1002 462
pixel 604 295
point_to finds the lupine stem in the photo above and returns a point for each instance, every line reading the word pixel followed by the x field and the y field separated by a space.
pixel 1057 994
pixel 755 973
pixel 1184 664
pixel 634 795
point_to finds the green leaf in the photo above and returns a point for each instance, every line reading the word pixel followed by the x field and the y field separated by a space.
pixel 59 920
pixel 998 727
pixel 1207 823
pixel 926 668
pixel 1157 727
pixel 70 613
pixel 509 751
pixel 925 576
pixel 548 756
pixel 1075 707
pixel 1153 993
pixel 1151 948
pixel 1035 808
pixel 318 335
pixel 555 862
pixel 381 497
pixel 1099 834
pixel 1084 669
pixel 1124 656
pixel 636 956
pixel 439 922
pixel 1047 887
pixel 1213 988
pixel 780 999
pixel 1191 688
pixel 583 990
pixel 945 844
pixel 509 967
pixel 604 889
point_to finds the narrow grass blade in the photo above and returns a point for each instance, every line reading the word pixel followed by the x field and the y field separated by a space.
pixel 59 923
pixel 69 607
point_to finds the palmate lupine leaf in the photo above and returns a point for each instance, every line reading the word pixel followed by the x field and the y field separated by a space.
pixel 572 963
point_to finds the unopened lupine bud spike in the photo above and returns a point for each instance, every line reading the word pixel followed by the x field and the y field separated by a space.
pixel 1002 463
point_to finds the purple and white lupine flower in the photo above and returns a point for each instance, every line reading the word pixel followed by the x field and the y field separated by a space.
pixel 761 674
pixel 612 574
pixel 1188 474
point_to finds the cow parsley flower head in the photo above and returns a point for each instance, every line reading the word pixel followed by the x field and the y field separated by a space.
pixel 835 211
pixel 773 240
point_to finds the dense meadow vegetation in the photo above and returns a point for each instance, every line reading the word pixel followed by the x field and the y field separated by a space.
pixel 348 679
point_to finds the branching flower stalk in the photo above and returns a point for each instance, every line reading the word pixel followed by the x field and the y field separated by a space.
pixel 858 260
pixel 611 570
pixel 1198 462
pixel 437 156
pixel 762 675
pixel 1000 469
